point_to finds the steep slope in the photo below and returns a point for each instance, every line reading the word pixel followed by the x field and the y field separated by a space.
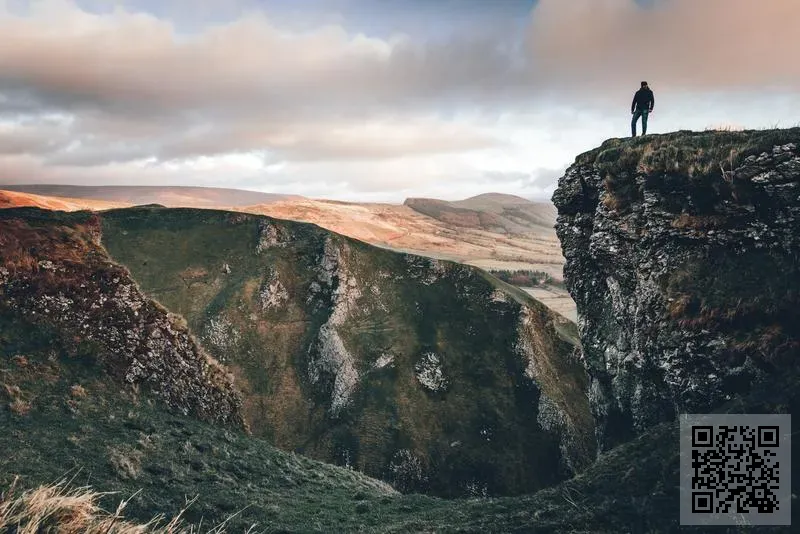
pixel 428 374
pixel 55 274
pixel 62 417
pixel 65 417
pixel 682 256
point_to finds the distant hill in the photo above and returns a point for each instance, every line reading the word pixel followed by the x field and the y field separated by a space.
pixel 14 199
pixel 492 212
pixel 170 196
pixel 532 244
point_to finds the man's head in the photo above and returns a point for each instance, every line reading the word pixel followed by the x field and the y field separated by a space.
pixel 644 85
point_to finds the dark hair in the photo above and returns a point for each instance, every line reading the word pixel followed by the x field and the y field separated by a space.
pixel 644 83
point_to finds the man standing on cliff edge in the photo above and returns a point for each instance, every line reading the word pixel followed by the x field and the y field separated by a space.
pixel 642 105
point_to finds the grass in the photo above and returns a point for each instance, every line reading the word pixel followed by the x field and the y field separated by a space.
pixel 699 165
pixel 66 509
pixel 751 299
pixel 243 482
pixel 118 440
pixel 176 257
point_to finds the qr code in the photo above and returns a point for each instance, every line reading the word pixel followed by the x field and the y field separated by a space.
pixel 735 469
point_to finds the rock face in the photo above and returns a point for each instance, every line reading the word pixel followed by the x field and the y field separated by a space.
pixel 59 276
pixel 683 258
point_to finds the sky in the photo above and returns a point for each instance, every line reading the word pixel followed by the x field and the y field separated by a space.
pixel 372 100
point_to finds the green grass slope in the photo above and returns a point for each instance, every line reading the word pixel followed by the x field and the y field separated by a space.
pixel 61 416
pixel 421 372
pixel 431 375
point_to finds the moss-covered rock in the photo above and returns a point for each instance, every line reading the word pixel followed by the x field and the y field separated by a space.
pixel 682 256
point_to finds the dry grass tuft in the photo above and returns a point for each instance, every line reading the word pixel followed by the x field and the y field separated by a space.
pixel 126 463
pixel 698 222
pixel 78 391
pixel 20 407
pixel 60 509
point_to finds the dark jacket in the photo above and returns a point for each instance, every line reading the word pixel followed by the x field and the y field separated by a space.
pixel 643 99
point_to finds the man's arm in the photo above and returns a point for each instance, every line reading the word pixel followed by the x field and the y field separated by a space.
pixel 652 100
pixel 633 104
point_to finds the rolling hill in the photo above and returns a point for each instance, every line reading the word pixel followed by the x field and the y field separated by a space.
pixel 170 196
pixel 397 227
pixel 492 212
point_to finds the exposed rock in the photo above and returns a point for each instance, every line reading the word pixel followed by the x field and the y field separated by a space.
pixel 87 297
pixel 430 374
pixel 682 256
pixel 563 407
pixel 384 360
pixel 498 296
pixel 329 355
pixel 273 294
pixel 221 335
pixel 406 470
pixel 270 236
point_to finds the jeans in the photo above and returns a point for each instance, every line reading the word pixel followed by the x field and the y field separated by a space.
pixel 643 114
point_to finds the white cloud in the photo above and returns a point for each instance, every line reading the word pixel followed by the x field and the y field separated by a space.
pixel 123 97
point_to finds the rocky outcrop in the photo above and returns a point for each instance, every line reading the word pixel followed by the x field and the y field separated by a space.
pixel 58 276
pixel 329 355
pixel 682 256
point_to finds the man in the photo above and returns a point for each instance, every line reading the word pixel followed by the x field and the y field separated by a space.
pixel 642 105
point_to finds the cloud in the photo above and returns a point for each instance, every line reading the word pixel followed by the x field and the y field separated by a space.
pixel 236 96
pixel 674 44
pixel 136 87
pixel 130 61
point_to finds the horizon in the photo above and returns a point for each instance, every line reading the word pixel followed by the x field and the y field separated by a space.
pixel 353 101
pixel 30 189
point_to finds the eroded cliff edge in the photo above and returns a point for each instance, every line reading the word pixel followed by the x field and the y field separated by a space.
pixel 682 256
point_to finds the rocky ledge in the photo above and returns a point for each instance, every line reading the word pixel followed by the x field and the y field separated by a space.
pixel 682 254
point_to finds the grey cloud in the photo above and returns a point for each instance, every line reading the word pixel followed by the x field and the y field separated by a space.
pixel 26 141
pixel 133 60
pixel 245 85
pixel 590 45
pixel 130 87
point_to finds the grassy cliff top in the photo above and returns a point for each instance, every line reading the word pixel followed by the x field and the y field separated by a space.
pixel 686 152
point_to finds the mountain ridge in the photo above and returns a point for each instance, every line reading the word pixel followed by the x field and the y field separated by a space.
pixel 349 353
pixel 173 196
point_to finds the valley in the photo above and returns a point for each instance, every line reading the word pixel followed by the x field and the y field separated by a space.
pixel 261 371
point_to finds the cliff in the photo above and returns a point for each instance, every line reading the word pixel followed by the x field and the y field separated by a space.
pixel 682 256
pixel 57 279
